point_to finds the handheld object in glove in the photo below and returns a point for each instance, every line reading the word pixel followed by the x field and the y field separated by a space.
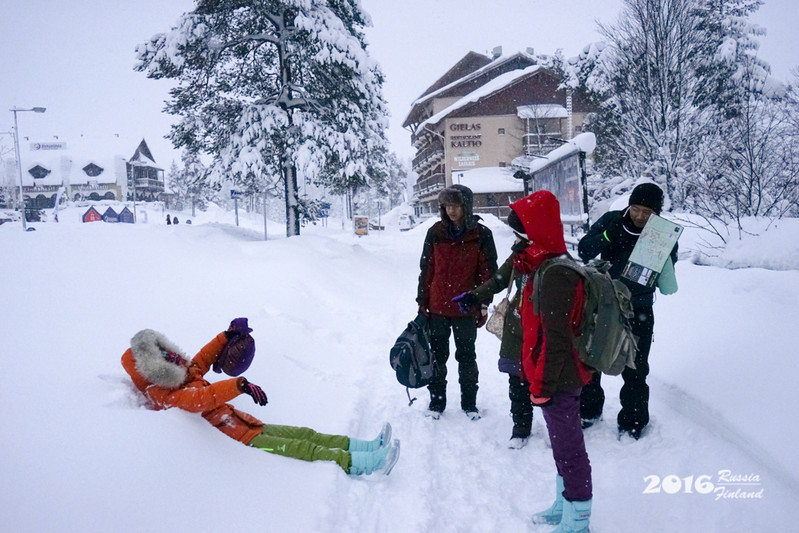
pixel 237 355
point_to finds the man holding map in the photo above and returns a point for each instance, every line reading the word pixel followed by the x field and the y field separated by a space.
pixel 641 268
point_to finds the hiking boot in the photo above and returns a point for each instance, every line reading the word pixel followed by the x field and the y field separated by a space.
pixel 380 461
pixel 517 443
pixel 382 440
pixel 586 423
pixel 634 432
pixel 576 517
pixel 438 402
pixel 554 513
pixel 469 398
pixel 473 415
pixel 521 431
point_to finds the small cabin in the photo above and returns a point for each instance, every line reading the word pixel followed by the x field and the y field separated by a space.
pixel 126 216
pixel 110 215
pixel 92 215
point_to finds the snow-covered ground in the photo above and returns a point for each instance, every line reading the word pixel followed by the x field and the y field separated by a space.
pixel 79 452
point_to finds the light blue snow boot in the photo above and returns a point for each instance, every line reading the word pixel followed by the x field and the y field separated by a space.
pixel 380 461
pixel 576 516
pixel 554 513
pixel 383 439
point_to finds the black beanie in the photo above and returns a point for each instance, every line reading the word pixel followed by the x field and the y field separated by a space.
pixel 648 195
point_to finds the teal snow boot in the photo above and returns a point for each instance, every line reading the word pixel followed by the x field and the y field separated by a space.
pixel 553 514
pixel 380 461
pixel 382 440
pixel 576 516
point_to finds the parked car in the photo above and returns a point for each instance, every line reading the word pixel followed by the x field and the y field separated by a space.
pixel 406 222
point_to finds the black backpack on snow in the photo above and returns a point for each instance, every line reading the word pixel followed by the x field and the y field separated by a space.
pixel 411 357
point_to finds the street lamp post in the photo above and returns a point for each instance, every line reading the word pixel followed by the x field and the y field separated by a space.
pixel 19 162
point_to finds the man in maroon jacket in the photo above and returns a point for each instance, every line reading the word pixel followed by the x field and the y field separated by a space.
pixel 458 255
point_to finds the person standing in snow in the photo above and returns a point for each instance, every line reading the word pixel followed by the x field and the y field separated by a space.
pixel 168 220
pixel 549 356
pixel 613 238
pixel 167 378
pixel 510 350
pixel 458 255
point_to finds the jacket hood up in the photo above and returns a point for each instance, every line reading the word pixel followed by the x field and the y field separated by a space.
pixel 458 194
pixel 147 347
pixel 540 216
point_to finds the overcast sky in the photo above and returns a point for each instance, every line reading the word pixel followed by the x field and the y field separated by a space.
pixel 75 57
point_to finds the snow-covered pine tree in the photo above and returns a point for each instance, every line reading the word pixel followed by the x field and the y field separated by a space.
pixel 649 92
pixel 275 91
pixel 749 167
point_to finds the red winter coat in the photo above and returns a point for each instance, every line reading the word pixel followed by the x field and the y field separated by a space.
pixel 549 357
pixel 168 385
pixel 453 265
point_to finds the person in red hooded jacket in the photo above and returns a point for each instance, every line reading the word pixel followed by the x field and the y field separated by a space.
pixel 167 378
pixel 549 355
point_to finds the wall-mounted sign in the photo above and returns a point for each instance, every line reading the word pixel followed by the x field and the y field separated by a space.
pixel 467 159
pixel 49 146
pixel 471 139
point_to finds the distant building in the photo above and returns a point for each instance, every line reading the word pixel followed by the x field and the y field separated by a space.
pixel 478 117
pixel 145 180
pixel 126 216
pixel 92 215
pixel 87 168
pixel 110 215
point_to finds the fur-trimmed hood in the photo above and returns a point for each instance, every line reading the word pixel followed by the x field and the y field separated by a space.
pixel 146 347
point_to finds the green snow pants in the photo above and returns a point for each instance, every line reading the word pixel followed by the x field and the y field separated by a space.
pixel 304 443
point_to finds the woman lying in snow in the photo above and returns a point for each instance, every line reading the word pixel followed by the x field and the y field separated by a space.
pixel 167 378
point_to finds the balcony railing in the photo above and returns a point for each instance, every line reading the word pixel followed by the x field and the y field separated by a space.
pixel 428 156
pixel 429 185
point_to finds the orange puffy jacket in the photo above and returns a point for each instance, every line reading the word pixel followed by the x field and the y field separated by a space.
pixel 194 394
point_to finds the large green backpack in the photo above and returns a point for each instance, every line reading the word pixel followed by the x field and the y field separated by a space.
pixel 605 342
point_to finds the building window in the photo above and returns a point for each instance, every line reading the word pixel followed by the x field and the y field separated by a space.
pixel 502 164
pixel 38 172
pixel 92 170
pixel 501 131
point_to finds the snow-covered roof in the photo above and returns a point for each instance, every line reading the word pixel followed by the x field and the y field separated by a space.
pixel 500 82
pixel 542 111
pixel 494 64
pixel 584 142
pixel 488 180
pixel 68 159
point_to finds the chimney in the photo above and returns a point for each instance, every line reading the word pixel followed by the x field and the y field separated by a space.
pixel 496 52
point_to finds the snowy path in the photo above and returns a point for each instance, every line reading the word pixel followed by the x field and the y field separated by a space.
pixel 326 308
pixel 457 475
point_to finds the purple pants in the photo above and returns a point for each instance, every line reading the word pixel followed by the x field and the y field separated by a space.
pixel 562 416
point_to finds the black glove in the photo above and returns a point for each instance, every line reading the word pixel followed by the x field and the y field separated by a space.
pixel 257 393
pixel 465 301
pixel 615 231
pixel 519 246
